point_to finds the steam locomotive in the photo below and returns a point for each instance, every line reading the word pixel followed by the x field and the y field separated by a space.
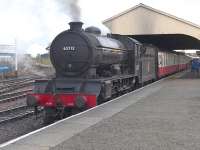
pixel 92 68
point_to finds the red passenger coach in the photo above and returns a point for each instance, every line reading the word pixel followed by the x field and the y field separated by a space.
pixel 169 63
pixel 183 62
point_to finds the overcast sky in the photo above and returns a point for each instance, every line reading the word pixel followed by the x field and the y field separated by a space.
pixel 34 23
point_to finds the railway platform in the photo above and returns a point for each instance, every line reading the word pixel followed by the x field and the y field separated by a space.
pixel 162 116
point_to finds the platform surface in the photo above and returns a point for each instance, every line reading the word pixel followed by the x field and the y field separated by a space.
pixel 163 116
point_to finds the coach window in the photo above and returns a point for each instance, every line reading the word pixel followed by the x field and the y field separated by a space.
pixel 137 48
pixel 174 59
pixel 167 61
pixel 166 64
pixel 160 60
pixel 163 59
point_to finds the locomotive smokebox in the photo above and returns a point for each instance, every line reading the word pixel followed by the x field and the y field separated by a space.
pixel 76 26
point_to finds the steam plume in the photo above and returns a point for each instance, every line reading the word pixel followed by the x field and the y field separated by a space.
pixel 71 7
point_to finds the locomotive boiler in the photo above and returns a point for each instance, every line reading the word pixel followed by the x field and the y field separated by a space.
pixel 79 53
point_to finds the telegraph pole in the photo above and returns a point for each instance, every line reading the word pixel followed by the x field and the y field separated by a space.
pixel 16 64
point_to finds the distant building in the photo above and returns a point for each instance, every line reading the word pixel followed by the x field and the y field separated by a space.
pixel 8 56
pixel 43 59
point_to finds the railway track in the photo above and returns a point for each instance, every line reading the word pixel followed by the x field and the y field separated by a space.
pixel 14 94
pixel 16 85
pixel 15 116
pixel 16 82
pixel 15 113
pixel 13 80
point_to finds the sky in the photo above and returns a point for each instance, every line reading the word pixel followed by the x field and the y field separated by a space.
pixel 33 24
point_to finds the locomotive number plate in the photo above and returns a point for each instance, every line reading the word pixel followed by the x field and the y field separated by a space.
pixel 69 48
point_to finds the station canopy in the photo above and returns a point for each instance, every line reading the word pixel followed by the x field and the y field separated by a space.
pixel 169 41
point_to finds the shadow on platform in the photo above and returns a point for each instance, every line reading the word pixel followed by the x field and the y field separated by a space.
pixel 191 75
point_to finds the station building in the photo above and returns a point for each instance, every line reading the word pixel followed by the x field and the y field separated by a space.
pixel 142 19
pixel 157 27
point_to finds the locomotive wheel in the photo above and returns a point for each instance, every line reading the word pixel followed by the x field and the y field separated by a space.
pixel 66 112
pixel 49 115
pixel 100 99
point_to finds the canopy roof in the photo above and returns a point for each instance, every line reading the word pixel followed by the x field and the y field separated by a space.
pixel 169 41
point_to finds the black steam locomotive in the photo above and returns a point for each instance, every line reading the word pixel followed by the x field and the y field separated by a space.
pixel 90 69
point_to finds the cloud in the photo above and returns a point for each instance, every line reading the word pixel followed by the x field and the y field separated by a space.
pixel 30 22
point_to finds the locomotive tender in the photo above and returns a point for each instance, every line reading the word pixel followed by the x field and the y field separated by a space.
pixel 90 69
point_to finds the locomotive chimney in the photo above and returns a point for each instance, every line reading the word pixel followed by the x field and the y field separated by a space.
pixel 75 26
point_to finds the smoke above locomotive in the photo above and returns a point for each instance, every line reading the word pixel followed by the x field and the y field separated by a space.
pixel 70 8
pixel 86 53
